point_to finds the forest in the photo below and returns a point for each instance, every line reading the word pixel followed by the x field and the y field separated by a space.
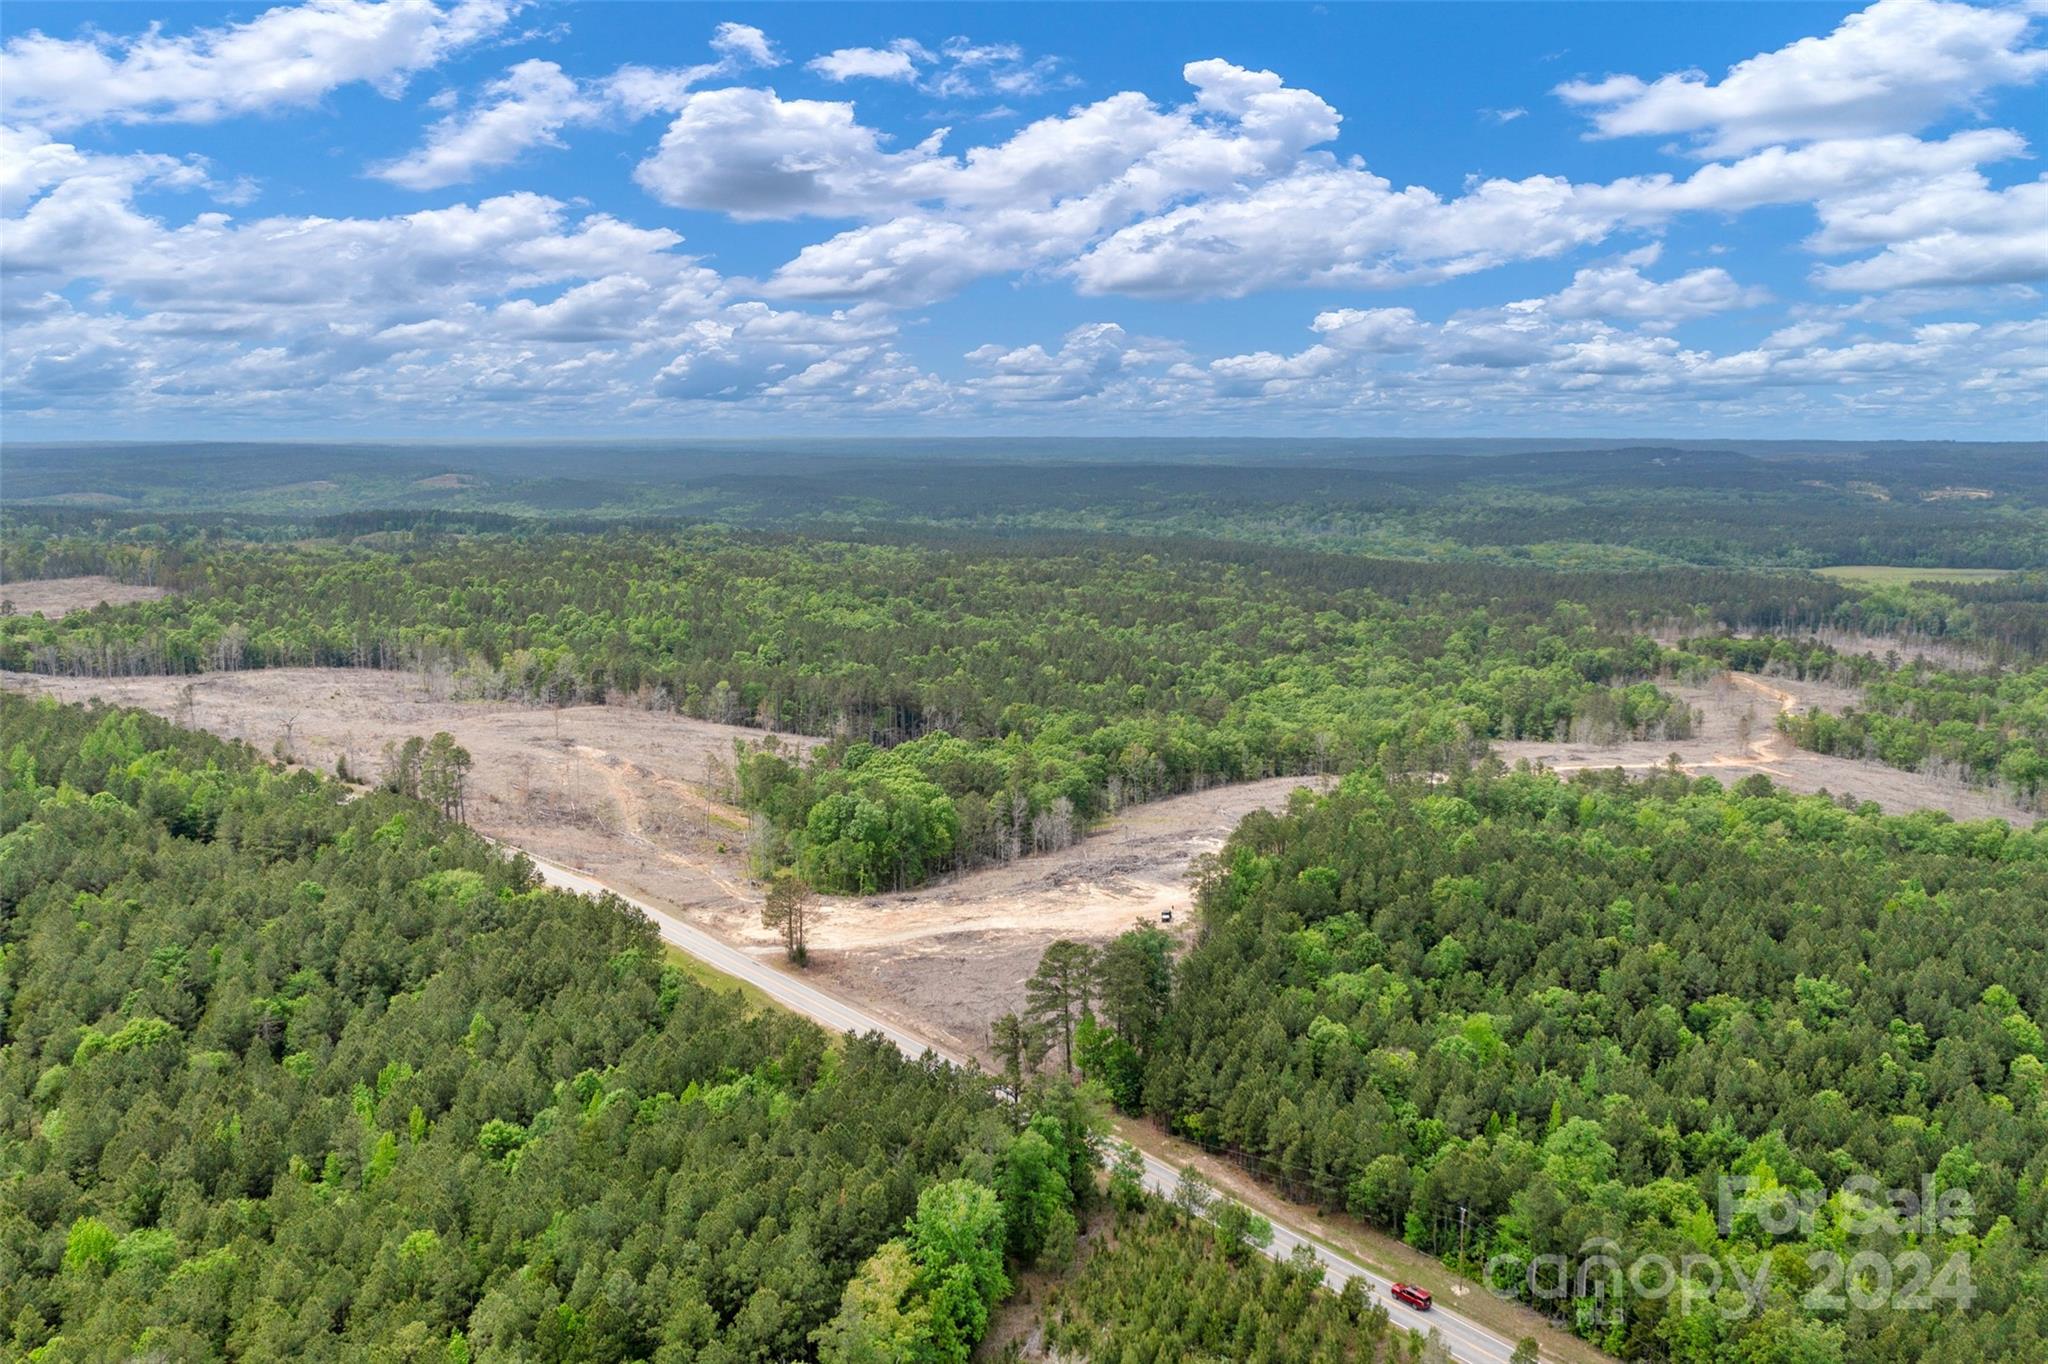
pixel 987 699
pixel 287 1075
pixel 1520 503
pixel 1968 718
pixel 1984 725
pixel 1161 1288
pixel 1506 1016
pixel 284 1071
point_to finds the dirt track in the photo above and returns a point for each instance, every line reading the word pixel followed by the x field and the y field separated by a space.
pixel 634 798
pixel 589 786
pixel 623 794
pixel 1738 736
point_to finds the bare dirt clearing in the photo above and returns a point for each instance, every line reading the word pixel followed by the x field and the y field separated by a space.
pixel 1737 736
pixel 950 956
pixel 588 786
pixel 631 797
pixel 56 597
pixel 635 798
pixel 1939 653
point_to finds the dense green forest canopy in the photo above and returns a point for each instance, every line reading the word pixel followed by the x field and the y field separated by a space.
pixel 285 1075
pixel 1159 1288
pixel 1546 1013
pixel 1570 504
pixel 988 697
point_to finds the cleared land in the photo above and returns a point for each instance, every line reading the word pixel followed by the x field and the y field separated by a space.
pixel 637 799
pixel 55 597
pixel 1737 736
pixel 1884 575
pixel 950 956
pixel 1906 650
pixel 587 786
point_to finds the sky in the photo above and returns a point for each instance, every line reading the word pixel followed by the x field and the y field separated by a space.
pixel 487 218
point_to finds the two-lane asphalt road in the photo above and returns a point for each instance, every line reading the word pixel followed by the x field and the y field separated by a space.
pixel 1468 1341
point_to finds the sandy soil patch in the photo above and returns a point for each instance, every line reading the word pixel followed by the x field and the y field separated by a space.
pixel 55 597
pixel 951 956
pixel 1738 736
pixel 586 785
pixel 1939 653
pixel 638 799
pixel 1910 649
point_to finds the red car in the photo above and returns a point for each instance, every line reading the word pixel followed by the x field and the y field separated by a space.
pixel 1417 1298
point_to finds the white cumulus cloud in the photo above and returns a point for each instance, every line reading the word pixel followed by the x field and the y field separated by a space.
pixel 897 62
pixel 288 56
pixel 1890 68
pixel 527 107
pixel 535 100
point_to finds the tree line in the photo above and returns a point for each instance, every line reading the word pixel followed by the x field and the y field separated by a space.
pixel 1504 1015
pixel 285 1074
pixel 984 698
pixel 1989 727
pixel 983 702
pixel 1984 724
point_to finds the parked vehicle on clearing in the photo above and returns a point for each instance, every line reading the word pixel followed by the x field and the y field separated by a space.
pixel 1408 1293
pixel 1166 916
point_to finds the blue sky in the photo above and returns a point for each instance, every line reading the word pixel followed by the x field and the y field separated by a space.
pixel 478 217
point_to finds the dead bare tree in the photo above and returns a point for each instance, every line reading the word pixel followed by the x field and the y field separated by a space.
pixel 1054 827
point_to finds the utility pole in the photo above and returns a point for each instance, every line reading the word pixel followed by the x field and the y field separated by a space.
pixel 1462 1211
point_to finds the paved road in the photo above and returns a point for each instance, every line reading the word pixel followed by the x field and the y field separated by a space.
pixel 786 990
pixel 1469 1342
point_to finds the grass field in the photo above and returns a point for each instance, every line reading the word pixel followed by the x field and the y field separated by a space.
pixel 713 979
pixel 1884 575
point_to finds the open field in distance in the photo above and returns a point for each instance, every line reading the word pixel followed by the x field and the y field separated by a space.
pixel 54 597
pixel 1883 575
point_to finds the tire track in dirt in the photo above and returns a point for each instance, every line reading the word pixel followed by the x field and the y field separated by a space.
pixel 632 823
pixel 692 796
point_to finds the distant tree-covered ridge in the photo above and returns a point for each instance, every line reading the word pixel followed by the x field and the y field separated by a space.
pixel 1508 504
pixel 1511 1017
pixel 285 1075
